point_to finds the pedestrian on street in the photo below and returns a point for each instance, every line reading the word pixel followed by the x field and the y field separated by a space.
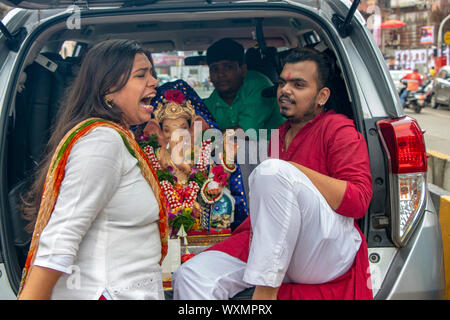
pixel 414 80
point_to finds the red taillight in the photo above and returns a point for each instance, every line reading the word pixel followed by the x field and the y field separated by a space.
pixel 405 143
pixel 405 147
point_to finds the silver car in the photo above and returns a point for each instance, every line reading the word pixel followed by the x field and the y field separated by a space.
pixel 441 88
pixel 41 50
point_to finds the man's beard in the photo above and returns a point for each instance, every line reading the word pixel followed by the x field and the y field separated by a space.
pixel 308 115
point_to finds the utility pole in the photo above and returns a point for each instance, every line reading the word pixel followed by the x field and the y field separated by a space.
pixel 439 40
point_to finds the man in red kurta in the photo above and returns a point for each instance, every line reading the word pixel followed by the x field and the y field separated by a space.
pixel 301 240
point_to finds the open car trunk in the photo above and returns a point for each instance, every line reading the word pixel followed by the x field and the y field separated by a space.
pixel 53 53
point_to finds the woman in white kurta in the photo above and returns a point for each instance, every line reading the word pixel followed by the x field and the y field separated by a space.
pixel 102 239
pixel 103 233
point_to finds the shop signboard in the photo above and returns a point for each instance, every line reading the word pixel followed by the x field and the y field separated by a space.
pixel 427 35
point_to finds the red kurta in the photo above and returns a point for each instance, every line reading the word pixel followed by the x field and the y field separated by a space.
pixel 331 145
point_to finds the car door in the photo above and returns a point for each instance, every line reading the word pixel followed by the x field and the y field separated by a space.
pixel 445 98
pixel 442 86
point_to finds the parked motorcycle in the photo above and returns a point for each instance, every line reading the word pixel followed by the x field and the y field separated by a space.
pixel 428 90
pixel 414 101
pixel 421 98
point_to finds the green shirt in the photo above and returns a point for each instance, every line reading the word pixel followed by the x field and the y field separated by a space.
pixel 248 109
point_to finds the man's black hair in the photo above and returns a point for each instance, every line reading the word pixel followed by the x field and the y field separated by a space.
pixel 323 62
pixel 225 49
pixel 329 75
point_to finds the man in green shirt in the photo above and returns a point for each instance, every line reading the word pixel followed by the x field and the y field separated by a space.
pixel 236 101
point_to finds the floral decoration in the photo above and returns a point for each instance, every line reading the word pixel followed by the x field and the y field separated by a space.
pixel 181 198
pixel 220 175
pixel 174 95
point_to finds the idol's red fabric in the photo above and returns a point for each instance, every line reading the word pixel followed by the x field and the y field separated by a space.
pixel 331 145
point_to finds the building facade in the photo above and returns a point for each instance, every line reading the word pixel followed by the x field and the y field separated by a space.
pixel 413 45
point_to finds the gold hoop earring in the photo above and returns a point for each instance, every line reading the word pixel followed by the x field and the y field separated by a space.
pixel 109 102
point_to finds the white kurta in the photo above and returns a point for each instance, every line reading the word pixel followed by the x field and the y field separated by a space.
pixel 104 231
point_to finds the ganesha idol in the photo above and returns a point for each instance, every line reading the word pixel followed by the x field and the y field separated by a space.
pixel 193 181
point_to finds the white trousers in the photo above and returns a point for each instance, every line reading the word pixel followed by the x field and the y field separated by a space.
pixel 297 238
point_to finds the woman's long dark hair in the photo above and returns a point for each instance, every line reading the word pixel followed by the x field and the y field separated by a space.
pixel 107 65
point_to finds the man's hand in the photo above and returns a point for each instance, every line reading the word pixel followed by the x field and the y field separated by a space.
pixel 332 189
pixel 265 293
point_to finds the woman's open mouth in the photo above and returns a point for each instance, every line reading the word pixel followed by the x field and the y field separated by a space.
pixel 145 102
